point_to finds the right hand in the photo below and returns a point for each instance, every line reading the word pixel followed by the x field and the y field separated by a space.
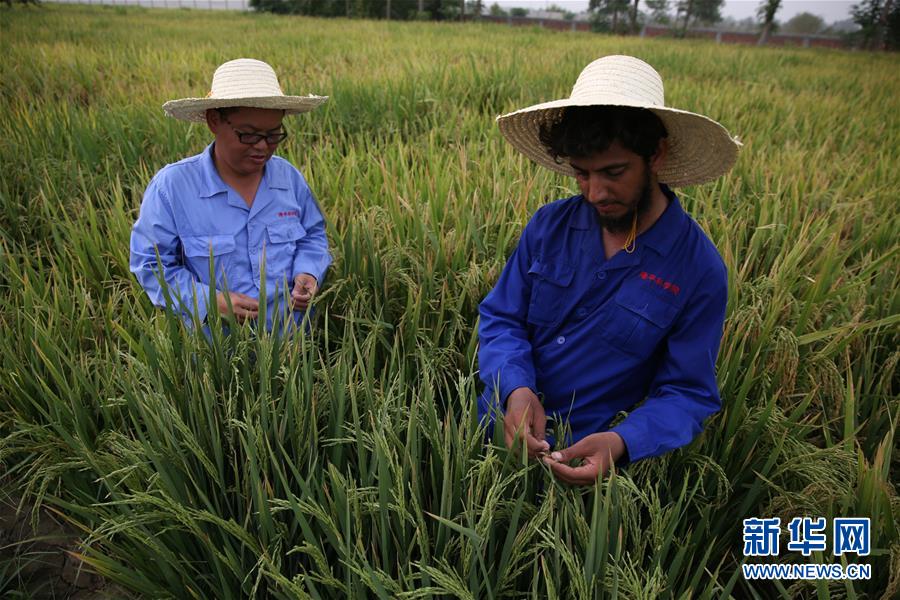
pixel 525 417
pixel 243 305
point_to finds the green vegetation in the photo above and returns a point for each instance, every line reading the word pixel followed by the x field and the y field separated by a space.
pixel 804 23
pixel 349 463
pixel 879 22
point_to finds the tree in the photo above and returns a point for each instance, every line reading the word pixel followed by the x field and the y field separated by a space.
pixel 497 11
pixel 518 12
pixel 708 11
pixel 703 11
pixel 686 8
pixel 878 21
pixel 605 14
pixel 659 11
pixel 766 13
pixel 892 29
pixel 804 23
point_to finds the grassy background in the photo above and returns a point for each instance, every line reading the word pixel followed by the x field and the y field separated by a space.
pixel 349 464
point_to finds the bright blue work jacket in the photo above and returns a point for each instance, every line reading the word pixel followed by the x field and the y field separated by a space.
pixel 189 215
pixel 594 337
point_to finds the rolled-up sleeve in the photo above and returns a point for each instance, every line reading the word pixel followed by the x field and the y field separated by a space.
pixel 504 354
pixel 311 255
pixel 684 391
pixel 155 232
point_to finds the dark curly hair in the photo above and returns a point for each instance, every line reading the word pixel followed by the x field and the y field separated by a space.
pixel 585 130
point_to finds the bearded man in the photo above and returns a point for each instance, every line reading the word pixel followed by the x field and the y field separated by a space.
pixel 614 299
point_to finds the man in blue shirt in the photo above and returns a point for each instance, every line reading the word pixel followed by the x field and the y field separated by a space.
pixel 234 221
pixel 614 298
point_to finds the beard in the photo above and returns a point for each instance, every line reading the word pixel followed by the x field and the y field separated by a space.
pixel 639 204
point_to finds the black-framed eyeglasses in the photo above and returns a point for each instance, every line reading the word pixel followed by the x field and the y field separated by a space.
pixel 253 138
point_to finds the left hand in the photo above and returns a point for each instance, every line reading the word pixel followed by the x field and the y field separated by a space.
pixel 598 451
pixel 305 287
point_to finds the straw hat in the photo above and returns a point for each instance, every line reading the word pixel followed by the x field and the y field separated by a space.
pixel 244 82
pixel 700 149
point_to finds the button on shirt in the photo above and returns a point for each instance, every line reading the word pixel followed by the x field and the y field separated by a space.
pixel 189 215
pixel 595 337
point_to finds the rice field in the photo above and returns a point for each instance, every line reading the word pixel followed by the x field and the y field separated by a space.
pixel 349 463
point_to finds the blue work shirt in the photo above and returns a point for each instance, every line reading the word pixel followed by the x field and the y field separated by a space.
pixel 189 213
pixel 594 337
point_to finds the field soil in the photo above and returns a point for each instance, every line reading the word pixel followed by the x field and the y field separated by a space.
pixel 38 561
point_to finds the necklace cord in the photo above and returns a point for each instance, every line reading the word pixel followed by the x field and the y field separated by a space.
pixel 629 241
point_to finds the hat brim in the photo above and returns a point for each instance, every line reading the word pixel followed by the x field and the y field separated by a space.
pixel 700 149
pixel 194 109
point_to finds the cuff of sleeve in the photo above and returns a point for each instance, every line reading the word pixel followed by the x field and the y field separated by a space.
pixel 317 271
pixel 512 379
pixel 636 446
pixel 197 303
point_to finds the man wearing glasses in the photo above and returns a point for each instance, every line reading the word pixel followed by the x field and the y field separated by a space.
pixel 235 220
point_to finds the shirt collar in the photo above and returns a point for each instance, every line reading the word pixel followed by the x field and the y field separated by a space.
pixel 584 217
pixel 213 184
pixel 275 178
pixel 661 236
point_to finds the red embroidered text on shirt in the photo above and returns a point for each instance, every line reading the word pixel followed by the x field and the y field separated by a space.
pixel 288 213
pixel 666 285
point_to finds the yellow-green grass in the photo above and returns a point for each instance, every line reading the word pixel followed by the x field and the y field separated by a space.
pixel 349 463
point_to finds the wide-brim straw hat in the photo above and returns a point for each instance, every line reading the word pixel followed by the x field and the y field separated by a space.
pixel 244 82
pixel 700 149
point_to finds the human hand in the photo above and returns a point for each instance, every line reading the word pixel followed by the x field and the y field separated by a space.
pixel 525 417
pixel 305 287
pixel 244 306
pixel 598 451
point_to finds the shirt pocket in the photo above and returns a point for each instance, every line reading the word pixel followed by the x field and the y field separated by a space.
pixel 641 320
pixel 280 247
pixel 550 288
pixel 197 251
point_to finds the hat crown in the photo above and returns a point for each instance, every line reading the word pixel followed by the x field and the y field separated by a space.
pixel 244 78
pixel 619 81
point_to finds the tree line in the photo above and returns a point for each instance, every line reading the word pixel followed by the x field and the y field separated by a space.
pixel 373 9
pixel 878 20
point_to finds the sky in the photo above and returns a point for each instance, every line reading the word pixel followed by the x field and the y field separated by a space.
pixel 829 10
